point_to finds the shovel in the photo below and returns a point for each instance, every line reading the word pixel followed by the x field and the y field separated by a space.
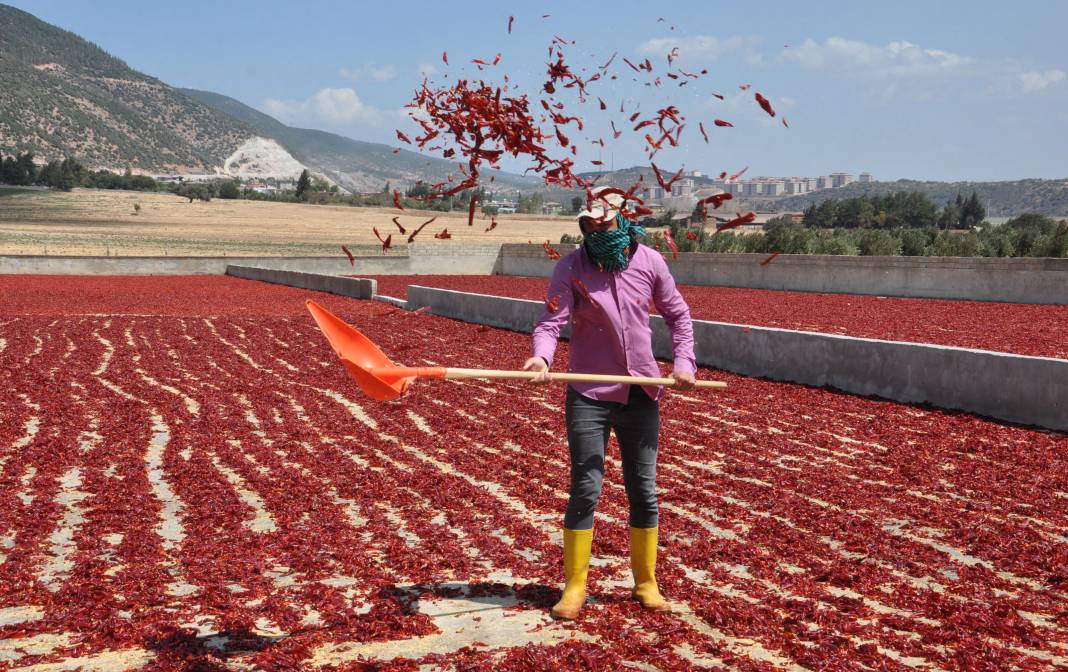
pixel 383 380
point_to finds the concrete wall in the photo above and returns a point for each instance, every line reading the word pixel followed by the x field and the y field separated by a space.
pixel 1020 280
pixel 357 288
pixel 424 260
pixel 1016 388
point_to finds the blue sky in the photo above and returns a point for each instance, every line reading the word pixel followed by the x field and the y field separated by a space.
pixel 925 90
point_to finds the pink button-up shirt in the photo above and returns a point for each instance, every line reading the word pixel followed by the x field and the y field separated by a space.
pixel 609 315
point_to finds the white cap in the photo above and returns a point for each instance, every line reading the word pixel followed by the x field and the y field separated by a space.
pixel 603 208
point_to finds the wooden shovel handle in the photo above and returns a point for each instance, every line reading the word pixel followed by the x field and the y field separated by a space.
pixel 577 377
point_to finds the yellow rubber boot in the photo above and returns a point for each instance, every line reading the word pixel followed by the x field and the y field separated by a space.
pixel 643 566
pixel 577 544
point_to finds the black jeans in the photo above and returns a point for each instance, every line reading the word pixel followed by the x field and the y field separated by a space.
pixel 637 426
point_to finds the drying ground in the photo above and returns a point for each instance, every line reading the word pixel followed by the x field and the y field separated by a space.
pixel 188 480
pixel 101 222
pixel 1026 329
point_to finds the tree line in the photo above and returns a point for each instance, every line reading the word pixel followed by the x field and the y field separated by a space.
pixel 894 211
pixel 22 171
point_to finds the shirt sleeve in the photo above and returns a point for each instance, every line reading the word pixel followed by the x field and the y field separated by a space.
pixel 559 302
pixel 676 316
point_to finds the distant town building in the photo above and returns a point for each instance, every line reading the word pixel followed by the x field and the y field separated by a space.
pixel 550 208
pixel 683 187
pixel 841 180
pixel 866 177
pixel 823 182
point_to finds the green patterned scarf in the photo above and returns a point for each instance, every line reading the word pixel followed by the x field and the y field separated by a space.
pixel 612 250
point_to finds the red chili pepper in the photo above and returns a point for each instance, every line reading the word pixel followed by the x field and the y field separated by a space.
pixel 443 234
pixel 445 57
pixel 768 260
pixel 471 209
pixel 510 20
pixel 411 237
pixel 691 235
pixel 396 200
pixel 397 222
pixel 739 173
pixel 403 137
pixel 352 259
pixel 784 123
pixel 717 199
pixel 492 226
pixel 701 127
pixel 764 103
pixel 721 122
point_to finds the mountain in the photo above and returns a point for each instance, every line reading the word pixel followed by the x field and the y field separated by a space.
pixel 1001 199
pixel 356 165
pixel 63 96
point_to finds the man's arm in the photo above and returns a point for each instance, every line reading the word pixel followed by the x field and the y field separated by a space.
pixel 676 316
pixel 558 304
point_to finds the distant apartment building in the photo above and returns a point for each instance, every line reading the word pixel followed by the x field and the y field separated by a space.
pixel 841 180
pixel 653 193
pixel 795 186
pixel 773 188
pixel 683 187
pixel 866 177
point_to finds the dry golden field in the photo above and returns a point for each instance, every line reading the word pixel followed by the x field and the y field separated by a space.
pixel 92 222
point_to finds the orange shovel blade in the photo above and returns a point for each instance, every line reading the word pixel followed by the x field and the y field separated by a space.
pixel 361 357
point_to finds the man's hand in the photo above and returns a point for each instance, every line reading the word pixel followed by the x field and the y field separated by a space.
pixel 537 364
pixel 685 380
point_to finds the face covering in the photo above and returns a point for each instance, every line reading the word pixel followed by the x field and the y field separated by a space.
pixel 612 250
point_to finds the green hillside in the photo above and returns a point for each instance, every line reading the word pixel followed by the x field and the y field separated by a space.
pixel 63 96
pixel 355 164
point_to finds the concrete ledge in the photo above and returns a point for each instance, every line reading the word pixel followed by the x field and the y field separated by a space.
pixel 357 288
pixel 1016 280
pixel 1015 388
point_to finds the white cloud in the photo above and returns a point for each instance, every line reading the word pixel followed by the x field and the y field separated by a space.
pixel 706 47
pixel 1033 80
pixel 902 68
pixel 378 73
pixel 339 106
pixel 899 59
pixel 426 70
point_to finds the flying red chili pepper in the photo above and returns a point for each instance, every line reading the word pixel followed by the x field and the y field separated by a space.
pixel 603 106
pixel 549 251
pixel 396 200
pixel 510 20
pixel 701 127
pixel 717 199
pixel 445 57
pixel 443 234
pixel 399 227
pixel 784 123
pixel 721 122
pixel 415 233
pixel 403 137
pixel 666 185
pixel 740 220
pixel 768 260
pixel 671 243
pixel 471 209
pixel 739 173
pixel 764 103
pixel 691 235
pixel 744 87
pixel 352 259
pixel 492 226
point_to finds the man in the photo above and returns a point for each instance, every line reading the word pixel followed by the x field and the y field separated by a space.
pixel 604 288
